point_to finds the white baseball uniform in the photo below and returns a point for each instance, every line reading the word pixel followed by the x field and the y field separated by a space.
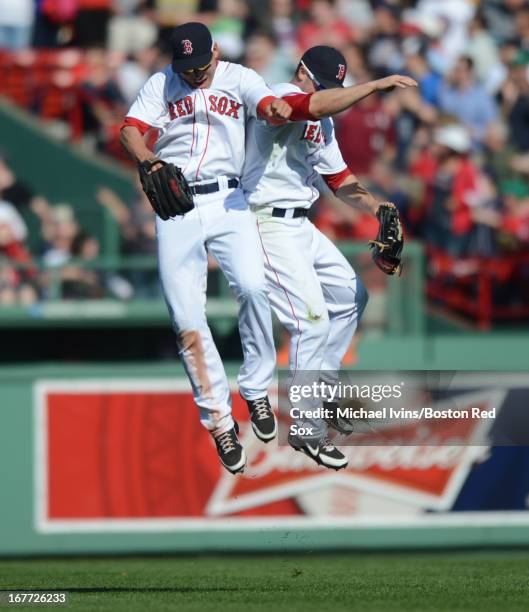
pixel 203 132
pixel 314 290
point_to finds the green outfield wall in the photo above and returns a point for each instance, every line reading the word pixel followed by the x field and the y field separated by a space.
pixel 23 533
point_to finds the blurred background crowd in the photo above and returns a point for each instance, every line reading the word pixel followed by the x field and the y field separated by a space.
pixel 453 155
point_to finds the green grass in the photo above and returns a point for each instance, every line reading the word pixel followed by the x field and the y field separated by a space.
pixel 312 582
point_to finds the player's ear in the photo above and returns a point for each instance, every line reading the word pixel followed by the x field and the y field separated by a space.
pixel 301 75
pixel 216 50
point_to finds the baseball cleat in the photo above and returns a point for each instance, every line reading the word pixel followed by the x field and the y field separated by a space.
pixel 343 424
pixel 338 423
pixel 230 451
pixel 263 419
pixel 321 451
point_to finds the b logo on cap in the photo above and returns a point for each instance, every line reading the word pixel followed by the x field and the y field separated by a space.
pixel 187 47
pixel 341 72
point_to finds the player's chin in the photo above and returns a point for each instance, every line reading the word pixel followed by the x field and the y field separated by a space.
pixel 196 83
pixel 202 84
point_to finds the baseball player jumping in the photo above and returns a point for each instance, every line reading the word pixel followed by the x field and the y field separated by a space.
pixel 200 106
pixel 313 289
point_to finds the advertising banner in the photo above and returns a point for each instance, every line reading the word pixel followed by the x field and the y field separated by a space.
pixel 131 454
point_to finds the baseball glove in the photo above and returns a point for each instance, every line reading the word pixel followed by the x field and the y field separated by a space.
pixel 166 188
pixel 387 247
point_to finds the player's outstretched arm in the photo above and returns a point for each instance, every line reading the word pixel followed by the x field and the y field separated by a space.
pixel 328 102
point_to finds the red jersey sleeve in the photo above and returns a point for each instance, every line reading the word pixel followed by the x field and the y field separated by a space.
pixel 300 103
pixel 334 181
pixel 141 126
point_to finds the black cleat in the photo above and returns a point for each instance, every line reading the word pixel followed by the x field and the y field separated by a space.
pixel 263 418
pixel 321 451
pixel 338 423
pixel 342 423
pixel 230 451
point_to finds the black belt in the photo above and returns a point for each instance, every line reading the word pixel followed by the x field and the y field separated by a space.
pixel 282 212
pixel 212 187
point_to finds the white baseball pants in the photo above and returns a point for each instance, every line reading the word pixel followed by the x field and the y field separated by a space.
pixel 222 225
pixel 315 293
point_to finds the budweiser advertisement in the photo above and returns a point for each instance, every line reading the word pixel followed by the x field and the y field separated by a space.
pixel 111 453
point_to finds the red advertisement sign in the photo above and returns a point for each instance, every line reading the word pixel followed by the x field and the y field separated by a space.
pixel 111 451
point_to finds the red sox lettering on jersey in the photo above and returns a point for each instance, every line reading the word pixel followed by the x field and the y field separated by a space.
pixel 312 133
pixel 216 104
pixel 224 106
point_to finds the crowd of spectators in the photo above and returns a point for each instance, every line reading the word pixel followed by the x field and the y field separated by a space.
pixel 453 154
pixel 62 262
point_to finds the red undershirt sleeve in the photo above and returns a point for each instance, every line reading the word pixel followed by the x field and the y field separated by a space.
pixel 300 103
pixel 334 181
pixel 141 126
